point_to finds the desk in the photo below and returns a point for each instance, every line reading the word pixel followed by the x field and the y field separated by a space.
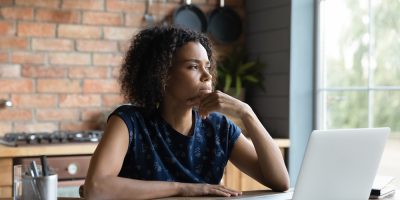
pixel 264 194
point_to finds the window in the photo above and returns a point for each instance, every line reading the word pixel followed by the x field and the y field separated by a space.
pixel 358 73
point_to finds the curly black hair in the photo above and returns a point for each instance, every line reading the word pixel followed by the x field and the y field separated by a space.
pixel 145 69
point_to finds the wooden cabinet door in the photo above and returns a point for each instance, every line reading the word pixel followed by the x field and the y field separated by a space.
pixel 6 177
pixel 235 179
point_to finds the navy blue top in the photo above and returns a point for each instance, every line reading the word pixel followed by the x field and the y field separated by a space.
pixel 158 152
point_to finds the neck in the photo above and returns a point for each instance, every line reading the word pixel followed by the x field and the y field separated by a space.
pixel 178 117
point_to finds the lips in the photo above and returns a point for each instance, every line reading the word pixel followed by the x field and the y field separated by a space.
pixel 205 90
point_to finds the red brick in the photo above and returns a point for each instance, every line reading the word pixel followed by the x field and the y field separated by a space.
pixel 4 57
pixel 114 33
pixel 7 28
pixel 34 100
pixel 115 72
pixel 27 57
pixel 79 101
pixel 107 59
pixel 57 114
pixel 13 43
pixel 12 114
pixel 59 85
pixel 58 16
pixel 5 127
pixel 125 6
pixel 43 71
pixel 16 13
pixel 102 18
pixel 52 44
pixel 6 3
pixel 95 115
pixel 79 126
pixel 16 85
pixel 36 127
pixel 100 86
pixel 112 100
pixel 69 58
pixel 10 70
pixel 36 29
pixel 160 9
pixel 134 20
pixel 123 46
pixel 97 46
pixel 84 5
pixel 78 31
pixel 39 3
pixel 88 72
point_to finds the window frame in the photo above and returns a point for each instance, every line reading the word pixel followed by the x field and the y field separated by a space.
pixel 320 84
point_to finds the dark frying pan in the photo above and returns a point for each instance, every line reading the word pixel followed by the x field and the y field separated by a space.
pixel 190 16
pixel 224 24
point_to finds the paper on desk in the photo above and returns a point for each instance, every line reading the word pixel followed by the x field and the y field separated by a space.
pixel 381 181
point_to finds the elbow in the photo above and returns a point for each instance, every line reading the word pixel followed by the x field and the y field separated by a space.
pixel 281 186
pixel 92 190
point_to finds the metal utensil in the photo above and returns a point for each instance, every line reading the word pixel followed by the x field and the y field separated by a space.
pixel 148 17
pixel 43 160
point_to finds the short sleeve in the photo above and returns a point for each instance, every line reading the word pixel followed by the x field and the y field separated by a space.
pixel 124 112
pixel 233 133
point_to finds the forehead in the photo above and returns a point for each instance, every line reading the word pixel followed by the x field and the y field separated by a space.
pixel 191 50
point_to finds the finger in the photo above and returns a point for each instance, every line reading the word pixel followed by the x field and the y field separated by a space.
pixel 204 110
pixel 231 191
pixel 217 191
pixel 210 98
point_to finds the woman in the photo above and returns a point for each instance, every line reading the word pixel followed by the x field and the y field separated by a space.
pixel 174 139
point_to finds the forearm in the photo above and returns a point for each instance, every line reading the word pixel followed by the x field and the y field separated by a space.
pixel 270 159
pixel 124 188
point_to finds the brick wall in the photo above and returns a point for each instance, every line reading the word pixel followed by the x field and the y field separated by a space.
pixel 59 59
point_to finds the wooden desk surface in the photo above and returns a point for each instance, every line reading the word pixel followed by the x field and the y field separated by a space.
pixel 266 194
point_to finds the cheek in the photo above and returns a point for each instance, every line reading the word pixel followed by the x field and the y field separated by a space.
pixel 181 85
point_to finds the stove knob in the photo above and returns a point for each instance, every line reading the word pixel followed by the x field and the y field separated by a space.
pixel 72 168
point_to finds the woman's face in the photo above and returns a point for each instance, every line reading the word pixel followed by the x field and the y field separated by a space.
pixel 189 76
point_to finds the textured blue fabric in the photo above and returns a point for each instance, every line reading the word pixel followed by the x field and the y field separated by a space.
pixel 158 152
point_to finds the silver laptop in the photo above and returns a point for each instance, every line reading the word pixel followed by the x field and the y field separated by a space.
pixel 338 165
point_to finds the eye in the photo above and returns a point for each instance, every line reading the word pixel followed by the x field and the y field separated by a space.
pixel 194 67
pixel 208 68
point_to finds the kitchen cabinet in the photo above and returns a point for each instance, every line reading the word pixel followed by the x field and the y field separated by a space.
pixel 8 154
pixel 235 179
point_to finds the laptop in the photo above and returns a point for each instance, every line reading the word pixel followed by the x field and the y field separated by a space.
pixel 338 165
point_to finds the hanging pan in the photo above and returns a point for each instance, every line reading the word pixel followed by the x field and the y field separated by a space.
pixel 224 24
pixel 190 16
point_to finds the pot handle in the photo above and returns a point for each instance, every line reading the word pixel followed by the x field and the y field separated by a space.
pixel 221 3
pixel 188 2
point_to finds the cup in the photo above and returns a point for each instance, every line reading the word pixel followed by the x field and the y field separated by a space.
pixel 39 188
pixel 33 188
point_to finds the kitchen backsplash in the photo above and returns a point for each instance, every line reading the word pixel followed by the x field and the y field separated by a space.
pixel 60 59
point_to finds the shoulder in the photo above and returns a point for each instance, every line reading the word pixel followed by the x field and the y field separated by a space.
pixel 127 110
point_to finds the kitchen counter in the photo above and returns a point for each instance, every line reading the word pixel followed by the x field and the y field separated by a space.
pixel 60 149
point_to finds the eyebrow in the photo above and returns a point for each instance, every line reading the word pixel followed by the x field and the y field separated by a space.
pixel 195 60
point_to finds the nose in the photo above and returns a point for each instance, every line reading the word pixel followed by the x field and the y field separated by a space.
pixel 205 76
